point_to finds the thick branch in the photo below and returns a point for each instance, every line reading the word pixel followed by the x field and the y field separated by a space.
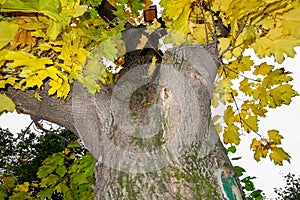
pixel 49 108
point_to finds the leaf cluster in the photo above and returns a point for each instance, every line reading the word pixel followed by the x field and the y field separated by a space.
pixel 292 189
pixel 246 105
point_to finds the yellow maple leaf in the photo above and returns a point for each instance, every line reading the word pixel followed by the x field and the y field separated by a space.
pixel 174 8
pixel 152 66
pixel 216 118
pixel 215 100
pixel 263 69
pixel 181 25
pixel 260 151
pixel 231 135
pixel 274 137
pixel 277 44
pixel 245 86
pixel 218 128
pixel 278 155
pixel 7 32
pixel 199 33
pixel 143 42
pixel 73 155
pixel 290 21
pixel 154 26
pixel 224 44
pixel 21 58
pixel 23 187
pixel 229 115
pixel 10 80
pixel 250 124
pixel 258 110
pixel 281 94
pixel 37 96
pixel 6 104
pixel 66 151
pixel 32 81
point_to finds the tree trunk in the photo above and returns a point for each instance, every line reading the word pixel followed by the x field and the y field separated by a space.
pixel 151 134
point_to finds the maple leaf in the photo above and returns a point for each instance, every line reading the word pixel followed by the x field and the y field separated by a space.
pixel 229 115
pixel 169 6
pixel 215 100
pixel 6 104
pixel 152 66
pixel 260 151
pixel 290 21
pixel 143 42
pixel 154 26
pixel 10 80
pixel 22 39
pixel 241 64
pixel 282 94
pixel 258 109
pixel 7 32
pixel 274 43
pixel 37 96
pixel 245 86
pixel 274 137
pixel 231 135
pixel 224 44
pixel 263 69
pixel 108 48
pixel 250 124
pixel 278 155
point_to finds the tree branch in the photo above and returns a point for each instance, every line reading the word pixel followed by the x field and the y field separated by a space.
pixel 49 108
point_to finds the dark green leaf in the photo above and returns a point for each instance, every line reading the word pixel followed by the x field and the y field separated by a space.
pixel 50 180
pixel 74 145
pixel 238 170
pixel 236 158
pixel 45 170
pixel 55 159
pixel 61 170
pixel 231 149
pixel 46 193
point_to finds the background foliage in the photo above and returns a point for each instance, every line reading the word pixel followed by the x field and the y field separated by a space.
pixel 292 189
pixel 39 165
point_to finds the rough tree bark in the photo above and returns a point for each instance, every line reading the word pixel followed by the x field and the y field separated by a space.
pixel 188 165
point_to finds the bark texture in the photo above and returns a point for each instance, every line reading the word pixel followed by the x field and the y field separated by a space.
pixel 187 165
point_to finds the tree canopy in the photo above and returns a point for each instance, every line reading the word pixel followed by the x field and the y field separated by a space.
pixel 44 45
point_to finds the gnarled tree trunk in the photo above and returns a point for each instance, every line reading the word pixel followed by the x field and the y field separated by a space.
pixel 151 134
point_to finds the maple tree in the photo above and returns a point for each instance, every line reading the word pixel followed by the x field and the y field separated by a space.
pixel 47 47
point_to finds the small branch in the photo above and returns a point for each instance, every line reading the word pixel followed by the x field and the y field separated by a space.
pixel 205 25
pixel 242 120
pixel 28 127
pixel 50 132
pixel 224 66
pixel 237 35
